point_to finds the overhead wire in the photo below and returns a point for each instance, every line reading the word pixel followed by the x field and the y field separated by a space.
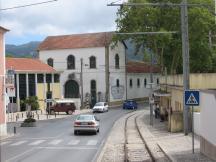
pixel 27 5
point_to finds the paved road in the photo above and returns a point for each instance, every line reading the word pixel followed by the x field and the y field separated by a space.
pixel 53 140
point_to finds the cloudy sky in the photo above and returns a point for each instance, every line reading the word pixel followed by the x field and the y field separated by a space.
pixel 61 17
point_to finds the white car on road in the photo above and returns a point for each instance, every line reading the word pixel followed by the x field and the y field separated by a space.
pixel 100 107
pixel 86 123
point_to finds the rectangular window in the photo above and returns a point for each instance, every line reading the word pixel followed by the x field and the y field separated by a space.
pixel 138 82
pixel 31 80
pixel 22 86
pixel 56 78
pixel 40 78
pixel 131 83
pixel 48 78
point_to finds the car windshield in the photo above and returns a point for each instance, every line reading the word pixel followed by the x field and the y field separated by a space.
pixel 85 117
pixel 99 104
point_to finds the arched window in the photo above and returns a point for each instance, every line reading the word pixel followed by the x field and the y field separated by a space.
pixel 117 61
pixel 71 62
pixel 92 62
pixel 145 82
pixel 117 82
pixel 50 62
pixel 158 81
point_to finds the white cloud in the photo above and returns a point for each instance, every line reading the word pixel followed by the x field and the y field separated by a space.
pixel 61 17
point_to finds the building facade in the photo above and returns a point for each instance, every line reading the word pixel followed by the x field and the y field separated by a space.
pixel 93 68
pixel 32 78
pixel 171 95
pixel 3 129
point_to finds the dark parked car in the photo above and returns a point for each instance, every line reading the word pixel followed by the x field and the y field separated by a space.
pixel 130 104
pixel 66 106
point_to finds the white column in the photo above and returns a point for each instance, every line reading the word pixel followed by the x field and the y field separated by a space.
pixel 18 95
pixel 44 79
pixel 52 84
pixel 27 86
pixel 36 90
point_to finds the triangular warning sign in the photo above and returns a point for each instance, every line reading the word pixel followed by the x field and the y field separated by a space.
pixel 191 100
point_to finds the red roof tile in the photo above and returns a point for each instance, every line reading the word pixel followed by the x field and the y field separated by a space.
pixel 76 41
pixel 28 65
pixel 141 67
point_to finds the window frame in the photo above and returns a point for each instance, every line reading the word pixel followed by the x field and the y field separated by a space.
pixel 71 62
pixel 92 62
pixel 117 62
pixel 50 62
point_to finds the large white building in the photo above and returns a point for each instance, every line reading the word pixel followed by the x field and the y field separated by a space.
pixel 92 67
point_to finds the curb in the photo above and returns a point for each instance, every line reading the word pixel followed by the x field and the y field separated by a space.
pixel 167 155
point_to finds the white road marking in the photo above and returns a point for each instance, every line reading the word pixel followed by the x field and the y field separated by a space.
pixel 18 143
pixel 37 142
pixel 91 142
pixel 68 148
pixel 73 142
pixel 55 142
pixel 4 143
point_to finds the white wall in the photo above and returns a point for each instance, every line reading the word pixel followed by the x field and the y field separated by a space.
pixel 141 91
pixel 60 64
pixel 117 93
pixel 197 123
pixel 208 116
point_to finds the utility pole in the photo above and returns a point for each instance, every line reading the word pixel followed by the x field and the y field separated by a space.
pixel 185 56
pixel 151 93
pixel 81 81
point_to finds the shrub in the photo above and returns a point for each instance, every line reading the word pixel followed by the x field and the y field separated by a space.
pixel 29 120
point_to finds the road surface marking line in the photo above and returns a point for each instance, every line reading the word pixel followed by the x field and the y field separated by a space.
pixel 91 142
pixel 18 143
pixel 55 142
pixel 4 143
pixel 37 142
pixel 68 148
pixel 73 142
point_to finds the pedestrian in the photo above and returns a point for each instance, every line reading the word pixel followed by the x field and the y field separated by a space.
pixel 157 110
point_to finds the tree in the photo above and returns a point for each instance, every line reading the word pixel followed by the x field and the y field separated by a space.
pixel 168 47
pixel 33 102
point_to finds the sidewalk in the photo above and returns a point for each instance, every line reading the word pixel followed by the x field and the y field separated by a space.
pixel 176 146
pixel 40 115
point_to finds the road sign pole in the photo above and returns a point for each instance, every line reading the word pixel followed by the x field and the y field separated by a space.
pixel 193 129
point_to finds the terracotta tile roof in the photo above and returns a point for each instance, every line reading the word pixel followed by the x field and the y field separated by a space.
pixel 76 41
pixel 3 29
pixel 141 67
pixel 28 65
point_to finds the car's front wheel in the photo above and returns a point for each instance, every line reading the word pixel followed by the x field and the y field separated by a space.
pixel 75 132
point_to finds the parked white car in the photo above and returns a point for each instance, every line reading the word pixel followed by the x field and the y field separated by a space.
pixel 100 107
